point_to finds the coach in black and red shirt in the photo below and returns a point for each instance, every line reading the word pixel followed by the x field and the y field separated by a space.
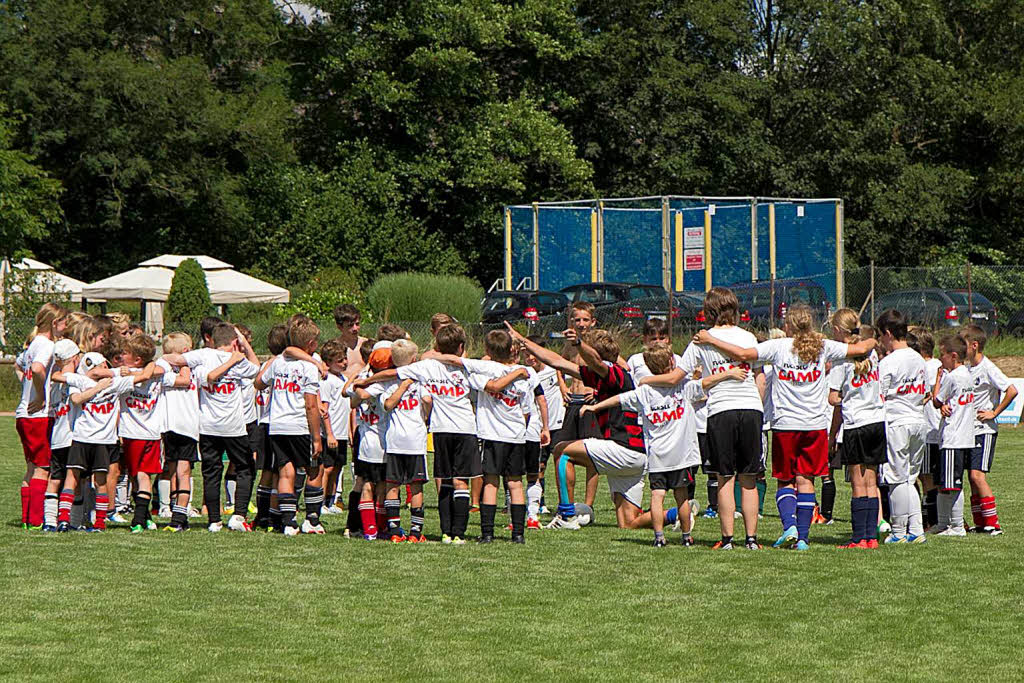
pixel 620 454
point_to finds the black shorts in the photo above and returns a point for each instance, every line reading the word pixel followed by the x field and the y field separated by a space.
pixel 864 445
pixel 114 453
pixel 983 453
pixel 734 439
pixel 89 457
pixel 59 463
pixel 671 480
pixel 296 449
pixel 456 456
pixel 178 447
pixel 504 459
pixel 532 457
pixel 213 447
pixel 950 471
pixel 370 472
pixel 707 465
pixel 335 457
pixel 254 434
pixel 576 427
pixel 402 468
pixel 930 464
pixel 264 453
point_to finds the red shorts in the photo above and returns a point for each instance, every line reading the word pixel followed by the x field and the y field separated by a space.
pixel 141 456
pixel 35 438
pixel 803 453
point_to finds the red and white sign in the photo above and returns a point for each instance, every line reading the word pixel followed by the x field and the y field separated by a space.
pixel 693 259
pixel 693 237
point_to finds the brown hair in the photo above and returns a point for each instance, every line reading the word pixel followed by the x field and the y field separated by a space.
pixel 721 307
pixel 223 334
pixel 954 343
pixel 439 320
pixel 177 342
pixel 333 350
pixel 122 321
pixel 583 306
pixel 391 332
pixel 302 333
pixel 450 338
pixel 973 333
pixel 604 343
pixel 246 332
pixel 346 314
pixel 658 357
pixel 277 339
pixel 366 348
pixel 807 342
pixel 655 326
pixel 115 346
pixel 498 344
pixel 142 346
pixel 921 340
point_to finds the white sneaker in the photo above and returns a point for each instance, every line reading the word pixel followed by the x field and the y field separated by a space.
pixel 936 529
pixel 291 531
pixel 333 510
pixel 308 528
pixel 953 531
pixel 215 527
pixel 736 514
pixel 117 518
pixel 193 513
pixel 544 510
pixel 164 512
pixel 238 523
pixel 572 523
pixel 346 533
pixel 677 525
pixel 583 520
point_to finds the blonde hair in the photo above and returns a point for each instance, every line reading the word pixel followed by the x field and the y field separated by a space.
pixel 177 342
pixel 848 322
pixel 122 321
pixel 48 314
pixel 403 352
pixel 776 333
pixel 604 343
pixel 302 332
pixel 658 357
pixel 807 342
pixel 82 332
pixel 439 320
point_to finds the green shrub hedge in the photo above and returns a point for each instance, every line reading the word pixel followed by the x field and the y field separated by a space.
pixel 417 296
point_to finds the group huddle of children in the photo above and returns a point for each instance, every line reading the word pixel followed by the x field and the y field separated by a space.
pixel 97 407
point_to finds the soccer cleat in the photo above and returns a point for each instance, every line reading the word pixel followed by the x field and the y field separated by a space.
pixel 399 538
pixel 117 518
pixel 872 544
pixel 754 545
pixel 416 538
pixel 475 508
pixel 853 544
pixel 137 529
pixel 485 539
pixel 307 527
pixel 544 510
pixel 788 538
pixel 721 546
pixel 660 542
pixel 801 546
pixel 229 509
pixel 48 528
pixel 710 513
pixel 953 531
pixel 509 527
pixel 828 521
pixel 817 517
pixel 173 528
pixel 736 514
pixel 533 523
pixel 347 533
pixel 215 527
pixel 916 538
pixel 291 531
pixel 164 512
pixel 893 539
pixel 95 529
pixel 238 523
pixel 458 541
pixel 992 530
pixel 369 537
pixel 63 527
pixel 559 522
pixel 193 513
pixel 688 541
pixel 518 538
pixel 150 525
pixel 446 539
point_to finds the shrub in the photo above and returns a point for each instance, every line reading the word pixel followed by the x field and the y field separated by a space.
pixel 189 298
pixel 417 296
pixel 327 289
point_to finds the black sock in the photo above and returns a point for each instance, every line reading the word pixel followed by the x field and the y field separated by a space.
pixel 487 513
pixel 394 512
pixel 871 517
pixel 142 500
pixel 300 484
pixel 726 540
pixel 179 513
pixel 828 496
pixel 931 508
pixel 355 522
pixel 460 513
pixel 416 521
pixel 518 519
pixel 263 505
pixel 314 503
pixel 883 494
pixel 751 539
pixel 444 507
pixel 286 501
pixel 691 490
pixel 713 494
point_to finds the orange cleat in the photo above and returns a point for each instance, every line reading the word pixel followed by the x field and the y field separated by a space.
pixel 399 539
pixel 533 524
pixel 817 517
pixel 871 543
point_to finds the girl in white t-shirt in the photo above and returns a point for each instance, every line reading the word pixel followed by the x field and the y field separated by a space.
pixel 800 416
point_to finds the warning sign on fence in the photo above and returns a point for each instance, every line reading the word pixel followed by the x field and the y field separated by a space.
pixel 693 259
pixel 693 238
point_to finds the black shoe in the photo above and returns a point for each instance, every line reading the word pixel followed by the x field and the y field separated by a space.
pixel 485 539
pixel 63 527
pixel 660 542
pixel 518 538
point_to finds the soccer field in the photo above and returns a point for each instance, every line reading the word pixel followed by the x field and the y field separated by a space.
pixel 598 604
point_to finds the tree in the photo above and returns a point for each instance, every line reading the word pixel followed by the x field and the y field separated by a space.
pixel 28 196
pixel 189 299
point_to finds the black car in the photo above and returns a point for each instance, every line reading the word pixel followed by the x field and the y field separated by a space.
pixel 522 306
pixel 936 308
pixel 621 304
pixel 755 300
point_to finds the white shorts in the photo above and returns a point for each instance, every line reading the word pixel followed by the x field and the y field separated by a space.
pixel 905 448
pixel 624 467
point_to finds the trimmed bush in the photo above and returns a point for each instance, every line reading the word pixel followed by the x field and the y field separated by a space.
pixel 417 296
pixel 327 289
pixel 189 299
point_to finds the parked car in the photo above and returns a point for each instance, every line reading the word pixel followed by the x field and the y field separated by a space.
pixel 755 300
pixel 685 309
pixel 522 306
pixel 621 304
pixel 937 308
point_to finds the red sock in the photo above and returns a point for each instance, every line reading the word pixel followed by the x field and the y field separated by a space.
pixel 367 516
pixel 381 517
pixel 976 510
pixel 36 496
pixel 102 501
pixel 24 502
pixel 988 512
pixel 67 499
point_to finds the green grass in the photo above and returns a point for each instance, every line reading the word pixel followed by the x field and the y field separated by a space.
pixel 599 604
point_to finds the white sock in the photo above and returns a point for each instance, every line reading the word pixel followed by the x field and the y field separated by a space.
pixel 121 493
pixel 163 492
pixel 50 510
pixel 957 516
pixel 944 505
pixel 915 521
pixel 899 506
pixel 229 492
pixel 533 492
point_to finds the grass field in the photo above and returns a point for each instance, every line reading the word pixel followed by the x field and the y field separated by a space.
pixel 599 604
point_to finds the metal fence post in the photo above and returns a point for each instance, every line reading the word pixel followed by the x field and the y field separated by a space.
pixel 536 247
pixel 970 294
pixel 666 247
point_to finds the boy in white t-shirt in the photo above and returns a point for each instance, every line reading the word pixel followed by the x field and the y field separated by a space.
pixel 180 429
pixel 954 396
pixel 335 411
pixel 546 418
pixel 922 341
pixel 65 357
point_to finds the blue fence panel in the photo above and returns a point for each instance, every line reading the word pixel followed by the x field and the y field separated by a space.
pixel 730 245
pixel 805 245
pixel 564 243
pixel 632 246
pixel 522 244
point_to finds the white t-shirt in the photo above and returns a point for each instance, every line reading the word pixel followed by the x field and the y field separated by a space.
pixel 956 390
pixel 724 395
pixel 800 389
pixel 449 388
pixel 39 351
pixel 95 421
pixel 533 426
pixel 368 418
pixel 262 399
pixel 638 368
pixel 403 431
pixel 903 386
pixel 769 407
pixel 142 413
pixel 338 405
pixel 932 415
pixel 862 404
pixel 249 412
pixel 499 417
pixel 220 402
pixel 180 404
pixel 667 418
pixel 60 399
pixel 547 379
pixel 290 382
pixel 989 385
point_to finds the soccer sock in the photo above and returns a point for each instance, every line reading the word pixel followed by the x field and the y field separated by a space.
pixel 487 519
pixel 762 489
pixel 275 509
pixel 381 517
pixel 518 514
pixel 163 493
pixel 77 514
pixel 263 505
pixel 142 500
pixel 828 496
pixel 899 507
pixel 956 517
pixel 976 510
pixel 930 510
pixel 230 486
pixel 354 523
pixel 444 507
pixel 533 493
pixel 36 494
pixel 691 489
pixel 300 483
pixel 726 540
pixel 884 493
pixel 460 513
pixel 314 503
pixel 50 501
pixel 179 512
pixel 24 502
pixel 565 508
pixel 67 497
pixel 804 513
pixel 416 521
pixel 393 510
pixel 944 508
pixel 915 523
pixel 121 493
pixel 871 517
pixel 856 509
pixel 786 501
pixel 287 503
pixel 713 493
pixel 988 512
pixel 367 514
pixel 102 504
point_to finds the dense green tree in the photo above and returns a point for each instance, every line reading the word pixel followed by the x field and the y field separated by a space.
pixel 28 196
pixel 188 301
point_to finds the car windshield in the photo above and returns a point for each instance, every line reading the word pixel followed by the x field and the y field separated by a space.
pixel 499 303
pixel 960 299
pixel 806 295
pixel 643 291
